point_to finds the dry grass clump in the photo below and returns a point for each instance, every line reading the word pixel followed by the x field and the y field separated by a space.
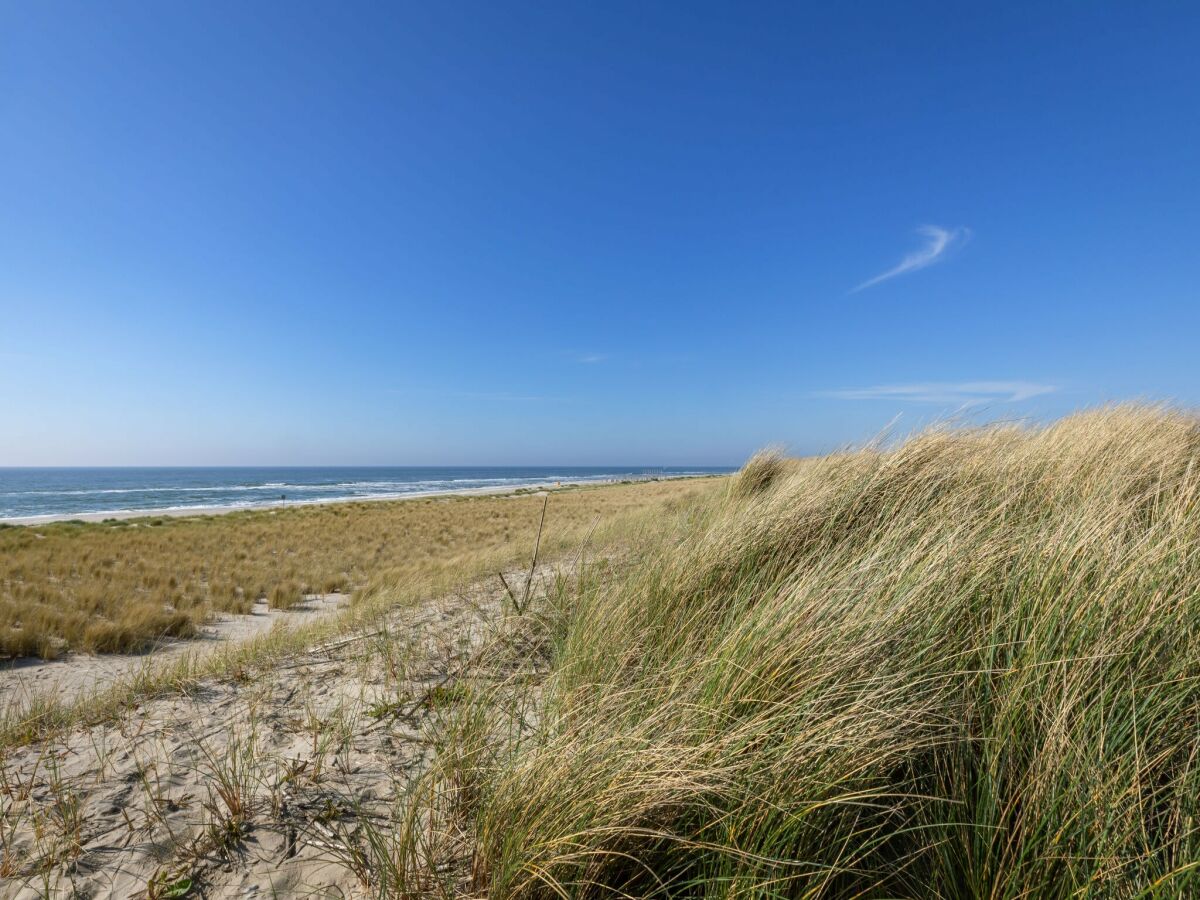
pixel 286 594
pixel 965 667
pixel 119 586
pixel 761 471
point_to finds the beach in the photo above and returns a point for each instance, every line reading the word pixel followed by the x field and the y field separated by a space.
pixel 218 510
pixel 42 494
pixel 78 674
pixel 335 698
pixel 442 696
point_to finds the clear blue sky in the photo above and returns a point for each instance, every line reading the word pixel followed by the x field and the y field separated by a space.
pixel 441 233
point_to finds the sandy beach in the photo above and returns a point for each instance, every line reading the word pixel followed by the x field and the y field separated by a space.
pixel 176 512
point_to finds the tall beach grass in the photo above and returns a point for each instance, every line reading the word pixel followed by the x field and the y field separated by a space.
pixel 966 666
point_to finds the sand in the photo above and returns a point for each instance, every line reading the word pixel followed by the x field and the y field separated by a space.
pixel 292 504
pixel 259 785
pixel 80 673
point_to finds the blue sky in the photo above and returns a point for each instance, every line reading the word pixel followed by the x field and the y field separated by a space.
pixel 245 233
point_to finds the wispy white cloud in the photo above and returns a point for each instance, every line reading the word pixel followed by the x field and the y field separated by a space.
pixel 591 358
pixel 938 242
pixel 962 393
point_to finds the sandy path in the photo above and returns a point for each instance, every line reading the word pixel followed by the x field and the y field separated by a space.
pixel 263 786
pixel 80 673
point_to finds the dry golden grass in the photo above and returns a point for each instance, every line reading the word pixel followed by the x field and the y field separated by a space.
pixel 120 586
pixel 968 666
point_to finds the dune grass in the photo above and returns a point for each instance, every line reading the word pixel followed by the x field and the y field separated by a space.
pixel 120 586
pixel 608 521
pixel 968 666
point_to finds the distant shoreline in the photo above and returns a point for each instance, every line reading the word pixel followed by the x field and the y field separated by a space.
pixel 220 510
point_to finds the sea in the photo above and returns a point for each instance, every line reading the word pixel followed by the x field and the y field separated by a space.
pixel 66 492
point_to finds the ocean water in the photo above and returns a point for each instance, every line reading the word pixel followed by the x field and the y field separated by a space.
pixel 68 492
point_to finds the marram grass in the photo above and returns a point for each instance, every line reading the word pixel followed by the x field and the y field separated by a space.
pixel 121 586
pixel 968 666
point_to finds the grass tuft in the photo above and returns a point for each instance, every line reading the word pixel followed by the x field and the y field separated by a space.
pixel 760 472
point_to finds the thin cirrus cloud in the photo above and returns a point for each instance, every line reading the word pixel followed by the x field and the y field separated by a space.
pixel 963 393
pixel 591 358
pixel 938 242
